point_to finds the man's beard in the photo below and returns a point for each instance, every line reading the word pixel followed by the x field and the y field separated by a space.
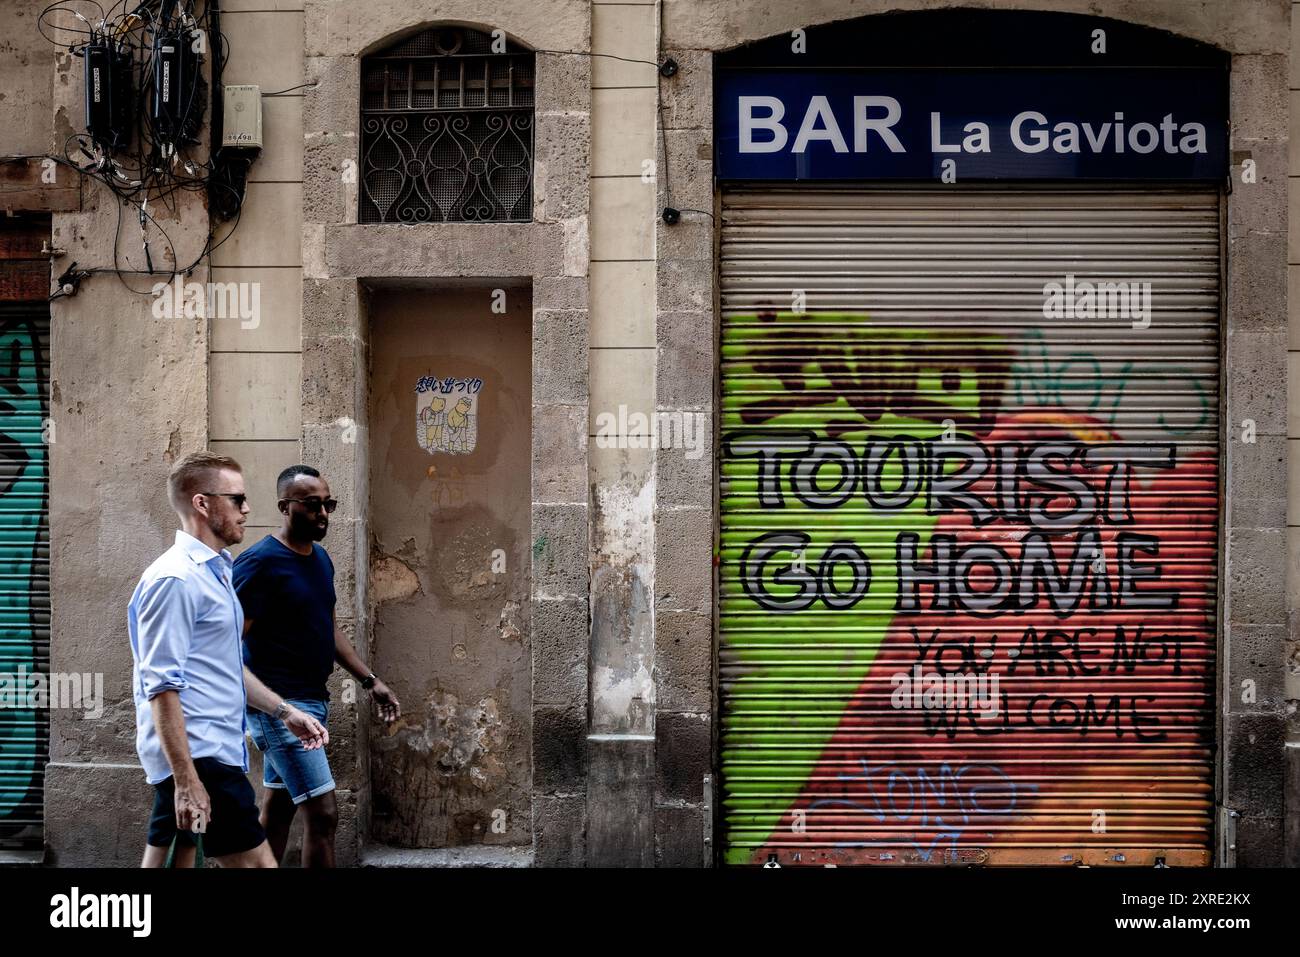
pixel 228 530
pixel 308 529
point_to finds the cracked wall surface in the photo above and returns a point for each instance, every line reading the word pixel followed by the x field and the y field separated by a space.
pixel 590 687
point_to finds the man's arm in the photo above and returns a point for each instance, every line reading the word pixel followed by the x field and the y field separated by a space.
pixel 309 731
pixel 193 807
pixel 390 709
pixel 164 627
pixel 169 719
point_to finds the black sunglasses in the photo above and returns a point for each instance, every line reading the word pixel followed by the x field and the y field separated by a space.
pixel 315 503
pixel 239 498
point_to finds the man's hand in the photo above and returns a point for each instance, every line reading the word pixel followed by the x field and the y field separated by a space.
pixel 190 797
pixel 309 731
pixel 193 807
pixel 386 703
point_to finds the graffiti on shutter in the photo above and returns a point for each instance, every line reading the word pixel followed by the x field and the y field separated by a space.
pixel 24 569
pixel 967 596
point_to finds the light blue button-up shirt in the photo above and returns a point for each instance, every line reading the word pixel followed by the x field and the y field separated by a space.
pixel 186 626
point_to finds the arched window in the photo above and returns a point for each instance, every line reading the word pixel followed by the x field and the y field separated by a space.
pixel 447 130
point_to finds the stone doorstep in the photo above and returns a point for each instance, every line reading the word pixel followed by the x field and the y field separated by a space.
pixel 380 855
pixel 22 858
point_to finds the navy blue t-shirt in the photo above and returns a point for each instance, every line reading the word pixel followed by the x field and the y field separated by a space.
pixel 289 598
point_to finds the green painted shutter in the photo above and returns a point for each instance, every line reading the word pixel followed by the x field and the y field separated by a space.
pixel 24 564
pixel 938 469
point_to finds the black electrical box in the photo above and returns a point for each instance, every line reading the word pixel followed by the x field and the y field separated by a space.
pixel 178 88
pixel 108 94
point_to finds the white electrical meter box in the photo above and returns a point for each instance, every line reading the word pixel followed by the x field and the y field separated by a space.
pixel 242 116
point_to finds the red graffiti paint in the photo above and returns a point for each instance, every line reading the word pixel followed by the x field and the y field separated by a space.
pixel 1100 736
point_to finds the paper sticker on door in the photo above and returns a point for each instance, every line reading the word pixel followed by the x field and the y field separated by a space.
pixel 446 413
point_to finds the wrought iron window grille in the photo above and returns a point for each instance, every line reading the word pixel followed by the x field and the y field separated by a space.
pixel 447 130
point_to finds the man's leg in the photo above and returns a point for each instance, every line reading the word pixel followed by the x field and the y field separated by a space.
pixel 305 776
pixel 157 856
pixel 277 817
pixel 234 837
pixel 322 819
pixel 162 833
pixel 154 856
pixel 259 856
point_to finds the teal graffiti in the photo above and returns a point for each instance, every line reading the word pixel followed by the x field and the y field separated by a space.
pixel 1077 381
pixel 24 563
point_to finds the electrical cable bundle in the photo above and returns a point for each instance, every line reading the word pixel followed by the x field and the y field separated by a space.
pixel 146 99
pixel 145 103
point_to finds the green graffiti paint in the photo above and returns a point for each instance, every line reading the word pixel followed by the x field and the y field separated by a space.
pixel 789 380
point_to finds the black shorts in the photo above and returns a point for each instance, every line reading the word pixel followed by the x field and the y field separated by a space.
pixel 234 826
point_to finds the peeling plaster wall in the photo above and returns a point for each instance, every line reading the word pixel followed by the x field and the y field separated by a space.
pixel 129 395
pixel 1291 675
pixel 619 609
pixel 625 38
pixel 449 572
pixel 622 647
pixel 27 76
pixel 340 256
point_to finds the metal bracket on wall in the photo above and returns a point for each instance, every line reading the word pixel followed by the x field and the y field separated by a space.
pixel 1227 856
pixel 708 820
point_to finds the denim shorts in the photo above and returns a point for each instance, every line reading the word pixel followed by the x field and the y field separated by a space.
pixel 286 764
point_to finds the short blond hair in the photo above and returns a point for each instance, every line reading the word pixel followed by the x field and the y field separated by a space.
pixel 193 473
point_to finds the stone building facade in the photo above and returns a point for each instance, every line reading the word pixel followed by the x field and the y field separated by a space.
pixel 555 641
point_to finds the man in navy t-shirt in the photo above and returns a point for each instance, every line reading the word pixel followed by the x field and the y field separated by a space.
pixel 286 586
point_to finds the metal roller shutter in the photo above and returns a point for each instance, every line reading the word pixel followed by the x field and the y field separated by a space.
pixel 24 566
pixel 969 525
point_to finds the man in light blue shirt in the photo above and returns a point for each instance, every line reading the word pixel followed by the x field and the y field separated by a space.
pixel 190 684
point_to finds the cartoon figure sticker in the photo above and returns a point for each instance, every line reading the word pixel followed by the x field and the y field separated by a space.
pixel 446 414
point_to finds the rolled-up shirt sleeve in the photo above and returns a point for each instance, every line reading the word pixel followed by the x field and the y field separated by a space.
pixel 165 624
